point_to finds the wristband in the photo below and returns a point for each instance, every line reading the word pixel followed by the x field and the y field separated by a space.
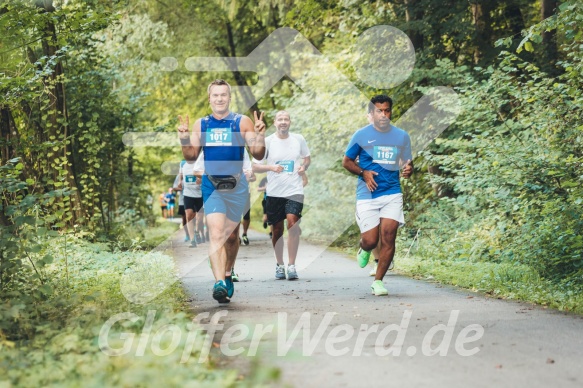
pixel 185 142
pixel 361 173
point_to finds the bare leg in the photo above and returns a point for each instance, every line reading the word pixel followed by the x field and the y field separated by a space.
pixel 217 249
pixel 277 241
pixel 388 232
pixel 190 217
pixel 293 237
pixel 231 245
pixel 200 222
pixel 184 225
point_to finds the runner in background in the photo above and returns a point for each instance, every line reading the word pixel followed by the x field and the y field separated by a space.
pixel 262 189
pixel 177 186
pixel 287 158
pixel 163 205
pixel 171 202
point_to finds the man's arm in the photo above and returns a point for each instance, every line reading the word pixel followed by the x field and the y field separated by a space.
pixel 260 168
pixel 304 167
pixel 190 143
pixel 368 175
pixel 254 135
pixel 408 169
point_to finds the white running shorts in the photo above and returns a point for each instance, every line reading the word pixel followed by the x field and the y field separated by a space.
pixel 370 211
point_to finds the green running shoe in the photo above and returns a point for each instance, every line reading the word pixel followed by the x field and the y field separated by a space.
pixel 362 257
pixel 234 276
pixel 378 288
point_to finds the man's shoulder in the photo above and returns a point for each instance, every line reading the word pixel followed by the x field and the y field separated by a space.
pixel 366 130
pixel 400 130
pixel 297 137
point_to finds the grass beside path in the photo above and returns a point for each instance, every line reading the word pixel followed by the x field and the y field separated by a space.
pixel 501 280
pixel 61 346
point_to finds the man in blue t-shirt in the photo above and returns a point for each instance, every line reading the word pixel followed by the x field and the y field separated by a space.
pixel 382 150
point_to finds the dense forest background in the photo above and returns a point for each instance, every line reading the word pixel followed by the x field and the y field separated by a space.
pixel 495 203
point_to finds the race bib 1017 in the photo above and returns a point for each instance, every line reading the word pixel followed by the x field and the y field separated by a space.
pixel 219 137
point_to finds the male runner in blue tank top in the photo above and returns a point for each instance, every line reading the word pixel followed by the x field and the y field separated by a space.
pixel 223 135
pixel 382 149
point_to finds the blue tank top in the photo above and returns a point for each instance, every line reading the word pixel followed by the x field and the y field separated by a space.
pixel 223 144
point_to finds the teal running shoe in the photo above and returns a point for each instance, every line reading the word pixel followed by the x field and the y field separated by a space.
pixel 220 292
pixel 230 286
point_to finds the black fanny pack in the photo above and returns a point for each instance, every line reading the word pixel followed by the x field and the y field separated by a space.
pixel 224 182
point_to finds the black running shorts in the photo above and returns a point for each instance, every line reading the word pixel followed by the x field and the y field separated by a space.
pixel 193 203
pixel 277 208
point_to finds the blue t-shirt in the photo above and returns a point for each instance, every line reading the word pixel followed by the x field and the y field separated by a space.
pixel 381 152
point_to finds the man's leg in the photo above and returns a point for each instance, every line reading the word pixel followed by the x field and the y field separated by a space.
pixel 277 241
pixel 376 254
pixel 217 247
pixel 246 222
pixel 293 237
pixel 388 235
pixel 369 239
pixel 200 224
pixel 185 224
pixel 231 245
pixel 190 219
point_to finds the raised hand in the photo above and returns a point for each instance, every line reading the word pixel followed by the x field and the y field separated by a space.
pixel 259 124
pixel 183 128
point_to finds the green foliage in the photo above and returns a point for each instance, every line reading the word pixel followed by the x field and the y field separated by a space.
pixel 54 341
pixel 514 180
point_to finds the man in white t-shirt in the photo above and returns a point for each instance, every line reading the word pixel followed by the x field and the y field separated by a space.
pixel 193 205
pixel 177 186
pixel 284 153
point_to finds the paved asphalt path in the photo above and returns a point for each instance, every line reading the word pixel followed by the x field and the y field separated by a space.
pixel 520 346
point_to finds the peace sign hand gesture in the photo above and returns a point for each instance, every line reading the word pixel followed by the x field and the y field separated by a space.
pixel 183 131
pixel 259 124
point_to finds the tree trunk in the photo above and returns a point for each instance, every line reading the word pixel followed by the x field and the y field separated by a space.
pixel 57 105
pixel 6 132
pixel 414 15
pixel 483 29
pixel 547 9
pixel 514 16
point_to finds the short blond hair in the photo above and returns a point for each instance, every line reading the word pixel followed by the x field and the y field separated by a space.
pixel 218 82
pixel 283 112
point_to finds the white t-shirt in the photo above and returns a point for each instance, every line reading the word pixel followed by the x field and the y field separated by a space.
pixel 289 153
pixel 199 165
pixel 180 194
pixel 190 183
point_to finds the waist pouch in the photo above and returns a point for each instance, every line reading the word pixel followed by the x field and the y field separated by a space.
pixel 224 182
